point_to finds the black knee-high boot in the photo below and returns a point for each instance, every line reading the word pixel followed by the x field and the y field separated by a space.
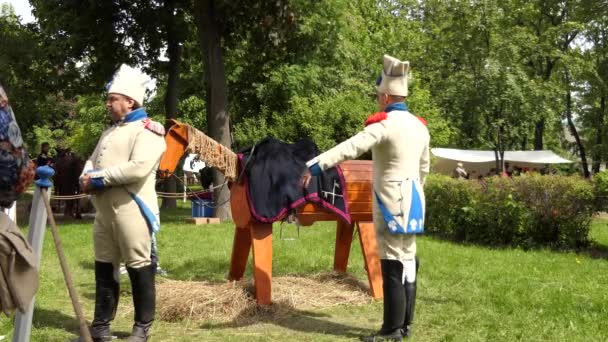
pixel 144 300
pixel 106 301
pixel 394 302
pixel 410 303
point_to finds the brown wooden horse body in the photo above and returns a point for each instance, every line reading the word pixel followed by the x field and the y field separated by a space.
pixel 253 235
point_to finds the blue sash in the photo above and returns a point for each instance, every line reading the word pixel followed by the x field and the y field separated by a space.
pixel 415 218
pixel 149 216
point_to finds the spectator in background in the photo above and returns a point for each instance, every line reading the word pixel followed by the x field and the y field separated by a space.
pixel 517 171
pixel 547 170
pixel 16 169
pixel 507 172
pixel 44 157
pixel 459 172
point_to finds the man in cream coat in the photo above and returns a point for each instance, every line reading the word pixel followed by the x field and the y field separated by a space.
pixel 121 175
pixel 399 142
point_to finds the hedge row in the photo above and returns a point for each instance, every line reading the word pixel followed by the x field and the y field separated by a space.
pixel 527 211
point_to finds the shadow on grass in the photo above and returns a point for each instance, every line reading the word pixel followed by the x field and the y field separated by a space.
pixel 285 315
pixel 440 300
pixel 175 215
pixel 54 319
pixel 199 269
pixel 44 318
pixel 596 251
pixel 87 264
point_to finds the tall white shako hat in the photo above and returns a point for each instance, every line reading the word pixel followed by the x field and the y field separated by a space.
pixel 393 80
pixel 130 82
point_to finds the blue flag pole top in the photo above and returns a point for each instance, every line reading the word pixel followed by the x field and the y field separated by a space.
pixel 44 173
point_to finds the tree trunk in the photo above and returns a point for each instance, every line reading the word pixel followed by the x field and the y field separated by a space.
pixel 539 131
pixel 603 111
pixel 501 150
pixel 174 51
pixel 599 139
pixel 573 130
pixel 497 159
pixel 218 121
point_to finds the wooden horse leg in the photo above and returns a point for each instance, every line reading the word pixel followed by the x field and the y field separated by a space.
pixel 261 237
pixel 369 248
pixel 240 252
pixel 344 239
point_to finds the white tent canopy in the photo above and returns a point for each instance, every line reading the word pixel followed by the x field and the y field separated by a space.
pixel 481 162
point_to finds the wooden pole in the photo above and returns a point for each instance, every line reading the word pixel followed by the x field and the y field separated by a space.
pixel 38 216
pixel 185 185
pixel 84 330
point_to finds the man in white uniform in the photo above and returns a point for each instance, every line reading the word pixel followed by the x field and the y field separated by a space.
pixel 399 142
pixel 121 175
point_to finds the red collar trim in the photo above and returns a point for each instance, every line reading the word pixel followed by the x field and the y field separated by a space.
pixel 376 117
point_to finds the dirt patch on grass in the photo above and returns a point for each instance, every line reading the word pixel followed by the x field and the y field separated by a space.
pixel 227 301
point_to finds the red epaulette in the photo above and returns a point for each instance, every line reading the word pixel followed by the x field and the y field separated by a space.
pixel 154 127
pixel 376 117
pixel 422 120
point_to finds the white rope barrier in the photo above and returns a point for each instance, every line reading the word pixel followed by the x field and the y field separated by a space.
pixel 160 194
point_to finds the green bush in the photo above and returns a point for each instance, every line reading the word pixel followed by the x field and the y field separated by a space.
pixel 600 186
pixel 561 209
pixel 500 218
pixel 449 206
pixel 554 211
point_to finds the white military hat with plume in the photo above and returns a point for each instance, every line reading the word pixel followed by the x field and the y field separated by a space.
pixel 130 82
pixel 393 80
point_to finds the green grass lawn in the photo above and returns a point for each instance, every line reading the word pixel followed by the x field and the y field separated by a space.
pixel 465 293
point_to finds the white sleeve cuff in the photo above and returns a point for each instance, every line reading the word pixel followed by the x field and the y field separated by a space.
pixel 312 162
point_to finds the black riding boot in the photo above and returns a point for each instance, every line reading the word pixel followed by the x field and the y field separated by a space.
pixel 144 300
pixel 106 301
pixel 410 303
pixel 394 302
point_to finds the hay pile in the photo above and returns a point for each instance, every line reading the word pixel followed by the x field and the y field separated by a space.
pixel 234 301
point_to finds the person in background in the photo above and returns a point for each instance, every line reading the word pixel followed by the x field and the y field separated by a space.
pixel 17 266
pixel 459 172
pixel 507 172
pixel 16 168
pixel 44 158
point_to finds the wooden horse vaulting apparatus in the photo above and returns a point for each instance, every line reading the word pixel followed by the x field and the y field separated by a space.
pixel 250 234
